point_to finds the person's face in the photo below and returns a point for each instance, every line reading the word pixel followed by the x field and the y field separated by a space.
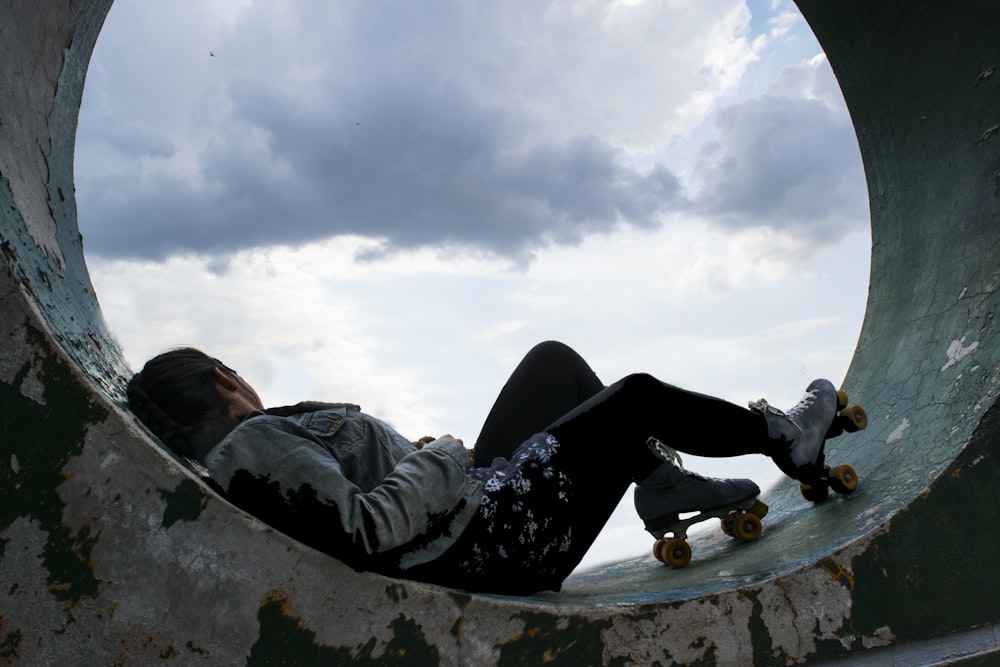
pixel 240 396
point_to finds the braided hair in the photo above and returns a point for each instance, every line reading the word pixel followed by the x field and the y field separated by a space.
pixel 174 393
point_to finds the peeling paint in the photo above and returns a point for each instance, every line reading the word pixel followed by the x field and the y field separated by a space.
pixel 881 637
pixel 30 489
pixel 897 433
pixel 936 558
pixel 284 639
pixel 813 605
pixel 31 387
pixel 838 572
pixel 10 644
pixel 571 640
pixel 184 503
pixel 957 351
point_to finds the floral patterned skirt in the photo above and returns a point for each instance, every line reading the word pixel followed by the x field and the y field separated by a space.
pixel 521 540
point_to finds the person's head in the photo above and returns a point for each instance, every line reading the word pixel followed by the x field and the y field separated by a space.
pixel 187 399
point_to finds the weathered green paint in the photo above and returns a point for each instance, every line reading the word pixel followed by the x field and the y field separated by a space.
pixel 935 569
pixel 284 640
pixel 927 130
pixel 184 503
pixel 760 638
pixel 60 286
pixel 569 640
pixel 29 427
pixel 10 644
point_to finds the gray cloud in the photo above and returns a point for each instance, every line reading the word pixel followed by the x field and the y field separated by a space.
pixel 378 126
pixel 789 163
pixel 408 167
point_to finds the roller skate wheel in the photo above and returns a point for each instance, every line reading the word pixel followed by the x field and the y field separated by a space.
pixel 855 418
pixel 759 508
pixel 843 479
pixel 841 399
pixel 656 549
pixel 814 494
pixel 747 527
pixel 674 552
pixel 727 524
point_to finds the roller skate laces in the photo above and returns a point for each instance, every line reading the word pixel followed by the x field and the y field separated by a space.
pixel 799 432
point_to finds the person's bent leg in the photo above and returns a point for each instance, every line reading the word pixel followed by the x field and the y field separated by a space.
pixel 544 508
pixel 627 414
pixel 540 516
pixel 549 382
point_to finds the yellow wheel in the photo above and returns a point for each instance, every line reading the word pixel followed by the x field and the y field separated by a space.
pixel 727 524
pixel 656 549
pixel 855 418
pixel 675 552
pixel 747 527
pixel 841 399
pixel 843 479
pixel 759 508
pixel 814 494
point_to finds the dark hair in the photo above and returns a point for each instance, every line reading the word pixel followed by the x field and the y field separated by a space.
pixel 174 392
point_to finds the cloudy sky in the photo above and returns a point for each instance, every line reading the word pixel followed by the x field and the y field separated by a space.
pixel 389 202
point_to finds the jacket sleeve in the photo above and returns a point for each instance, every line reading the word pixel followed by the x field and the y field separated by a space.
pixel 299 487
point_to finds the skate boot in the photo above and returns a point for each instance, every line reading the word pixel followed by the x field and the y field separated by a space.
pixel 670 491
pixel 799 436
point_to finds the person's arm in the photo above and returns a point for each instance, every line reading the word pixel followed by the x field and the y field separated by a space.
pixel 426 483
pixel 429 438
pixel 299 487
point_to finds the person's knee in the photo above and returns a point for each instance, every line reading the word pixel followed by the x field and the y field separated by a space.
pixel 552 351
pixel 640 382
pixel 552 347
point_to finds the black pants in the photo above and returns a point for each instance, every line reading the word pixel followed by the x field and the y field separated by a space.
pixel 553 389
pixel 557 452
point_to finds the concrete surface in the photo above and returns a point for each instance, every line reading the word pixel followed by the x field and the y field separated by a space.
pixel 111 552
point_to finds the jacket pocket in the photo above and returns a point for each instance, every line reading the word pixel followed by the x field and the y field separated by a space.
pixel 324 423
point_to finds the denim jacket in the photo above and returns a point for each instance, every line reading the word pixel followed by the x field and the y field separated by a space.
pixel 348 484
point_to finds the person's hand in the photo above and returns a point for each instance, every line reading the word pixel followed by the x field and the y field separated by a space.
pixel 419 444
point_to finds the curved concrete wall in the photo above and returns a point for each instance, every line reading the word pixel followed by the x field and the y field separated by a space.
pixel 111 552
